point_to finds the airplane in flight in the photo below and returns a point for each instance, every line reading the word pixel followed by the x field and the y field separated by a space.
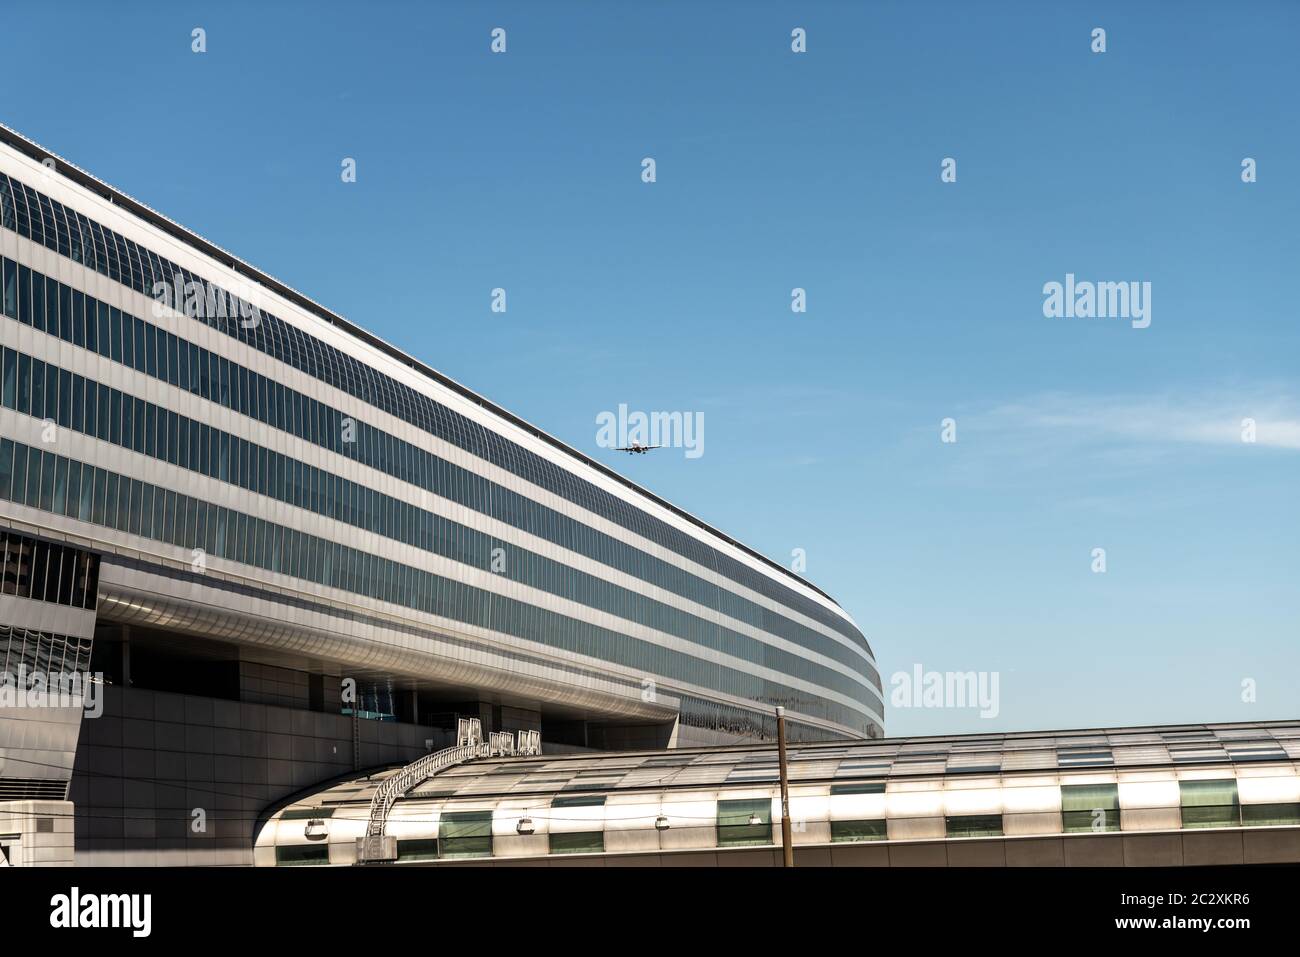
pixel 637 449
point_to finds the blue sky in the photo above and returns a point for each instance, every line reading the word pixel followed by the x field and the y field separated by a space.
pixel 821 171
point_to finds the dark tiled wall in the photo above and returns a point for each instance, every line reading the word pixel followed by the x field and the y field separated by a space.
pixel 267 684
pixel 152 757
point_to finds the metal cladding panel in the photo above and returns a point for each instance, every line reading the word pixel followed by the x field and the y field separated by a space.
pixel 812 769
pixel 1089 777
pixel 1146 754
pixel 506 839
pixel 411 820
pixel 39 743
pixel 1150 803
pixel 857 807
pixel 914 799
pixel 807 804
pixel 343 834
pixel 45 616
pixel 692 820
pixel 1148 791
pixel 1220 773
pixel 264 851
pixel 1037 758
pixel 916 828
pixel 344 853
pixel 365 646
pixel 292 833
pixel 630 822
pixel 1032 805
pixel 574 820
pixel 1273 785
pixel 985 799
pixel 1031 795
pixel 1024 825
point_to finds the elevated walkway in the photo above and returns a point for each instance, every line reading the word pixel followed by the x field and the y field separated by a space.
pixel 379 847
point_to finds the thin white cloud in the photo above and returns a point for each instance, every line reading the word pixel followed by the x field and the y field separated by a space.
pixel 1161 420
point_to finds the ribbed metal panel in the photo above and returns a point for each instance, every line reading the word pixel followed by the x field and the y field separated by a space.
pixel 32 789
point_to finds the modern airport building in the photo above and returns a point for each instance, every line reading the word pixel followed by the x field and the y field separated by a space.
pixel 293 552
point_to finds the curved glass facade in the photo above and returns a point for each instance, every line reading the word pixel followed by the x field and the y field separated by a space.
pixel 597 575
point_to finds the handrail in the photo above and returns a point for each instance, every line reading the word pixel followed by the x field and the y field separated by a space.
pixel 415 773
pixel 470 745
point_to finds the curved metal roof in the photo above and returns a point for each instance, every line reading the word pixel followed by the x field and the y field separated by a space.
pixel 885 759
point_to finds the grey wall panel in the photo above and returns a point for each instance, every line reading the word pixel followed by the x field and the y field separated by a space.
pixel 134 800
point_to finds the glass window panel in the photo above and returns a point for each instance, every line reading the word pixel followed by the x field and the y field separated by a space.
pixel 417 849
pixel 79 318
pixel 103 334
pixel 73 508
pixel 1090 807
pixel 45 303
pixel 85 511
pixel 1270 815
pixel 298 855
pixel 858 831
pixel 744 822
pixel 115 334
pixel 9 389
pixel 24 385
pixel 24 295
pixel 859 787
pixel 65 314
pixel 10 288
pixel 1210 803
pixel 38 388
pixel 578 842
pixel 974 825
pixel 59 504
pixel 466 834
pixel 98 496
pixel 6 468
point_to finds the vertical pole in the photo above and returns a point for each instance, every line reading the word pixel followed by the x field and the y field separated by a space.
pixel 787 843
pixel 356 736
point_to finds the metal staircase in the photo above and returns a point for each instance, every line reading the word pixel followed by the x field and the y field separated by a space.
pixel 377 846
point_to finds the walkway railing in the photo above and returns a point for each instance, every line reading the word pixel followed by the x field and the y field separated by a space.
pixel 418 772
pixel 376 845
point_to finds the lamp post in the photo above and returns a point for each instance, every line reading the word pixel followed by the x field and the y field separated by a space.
pixel 787 846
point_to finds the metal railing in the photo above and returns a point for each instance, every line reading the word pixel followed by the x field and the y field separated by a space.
pixel 417 772
pixel 469 745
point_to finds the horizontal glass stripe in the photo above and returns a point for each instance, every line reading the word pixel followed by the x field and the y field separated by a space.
pixel 48 222
pixel 41 479
pixel 46 392
pixel 715 716
pixel 61 311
